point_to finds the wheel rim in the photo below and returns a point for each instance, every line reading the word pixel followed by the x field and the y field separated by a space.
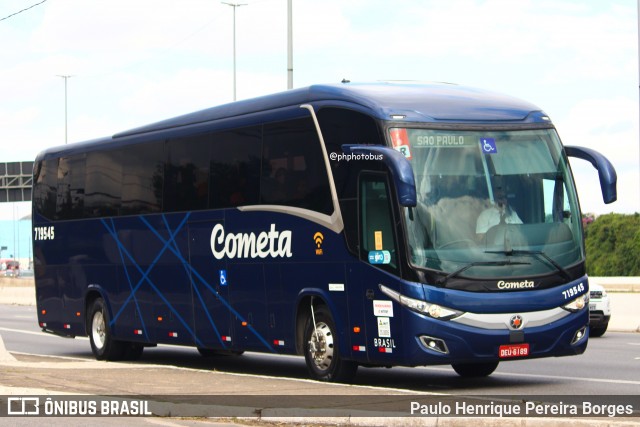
pixel 321 346
pixel 98 329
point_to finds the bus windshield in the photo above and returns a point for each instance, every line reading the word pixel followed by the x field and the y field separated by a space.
pixel 491 204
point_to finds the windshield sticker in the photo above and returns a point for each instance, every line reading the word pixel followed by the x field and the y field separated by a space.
pixel 488 146
pixel 379 257
pixel 377 235
pixel 384 327
pixel 400 141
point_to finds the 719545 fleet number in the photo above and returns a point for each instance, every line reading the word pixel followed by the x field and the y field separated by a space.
pixel 573 291
pixel 44 233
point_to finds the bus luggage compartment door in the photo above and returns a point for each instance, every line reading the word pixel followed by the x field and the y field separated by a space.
pixel 211 309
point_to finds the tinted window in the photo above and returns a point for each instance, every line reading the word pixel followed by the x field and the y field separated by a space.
pixel 142 179
pixel 44 192
pixel 103 187
pixel 186 175
pixel 340 126
pixel 71 182
pixel 235 168
pixel 293 170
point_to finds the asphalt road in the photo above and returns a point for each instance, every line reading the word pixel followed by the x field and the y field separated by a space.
pixel 610 366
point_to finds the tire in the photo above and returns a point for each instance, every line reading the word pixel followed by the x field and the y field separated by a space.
pixel 597 331
pixel 321 350
pixel 103 346
pixel 474 370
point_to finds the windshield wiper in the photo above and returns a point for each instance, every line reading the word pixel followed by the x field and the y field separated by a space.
pixel 444 280
pixel 537 254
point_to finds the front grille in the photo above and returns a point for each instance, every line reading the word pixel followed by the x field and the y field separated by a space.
pixel 595 294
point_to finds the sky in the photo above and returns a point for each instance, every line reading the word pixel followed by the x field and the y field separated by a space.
pixel 137 62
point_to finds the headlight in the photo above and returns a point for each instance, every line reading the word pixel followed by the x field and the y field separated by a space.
pixel 423 307
pixel 577 304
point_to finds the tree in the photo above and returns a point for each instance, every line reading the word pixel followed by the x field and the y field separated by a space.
pixel 613 245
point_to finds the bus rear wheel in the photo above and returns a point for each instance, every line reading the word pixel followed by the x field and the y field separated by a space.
pixel 321 350
pixel 103 346
pixel 474 370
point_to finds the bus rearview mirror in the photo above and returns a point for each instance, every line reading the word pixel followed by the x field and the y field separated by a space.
pixel 401 170
pixel 606 171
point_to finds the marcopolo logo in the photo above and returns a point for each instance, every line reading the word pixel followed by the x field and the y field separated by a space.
pixel 272 243
pixel 525 284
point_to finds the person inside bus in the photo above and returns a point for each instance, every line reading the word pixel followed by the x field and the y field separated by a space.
pixel 499 213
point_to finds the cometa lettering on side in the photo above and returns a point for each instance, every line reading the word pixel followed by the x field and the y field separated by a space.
pixel 271 243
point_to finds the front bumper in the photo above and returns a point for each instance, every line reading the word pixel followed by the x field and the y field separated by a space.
pixel 465 343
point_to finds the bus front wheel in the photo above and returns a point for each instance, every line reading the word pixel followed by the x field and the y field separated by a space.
pixel 321 350
pixel 103 346
pixel 474 370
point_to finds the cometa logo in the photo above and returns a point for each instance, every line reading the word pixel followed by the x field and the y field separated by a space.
pixel 318 238
pixel 525 284
pixel 271 243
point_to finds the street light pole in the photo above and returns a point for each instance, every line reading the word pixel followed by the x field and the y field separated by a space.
pixel 65 105
pixel 234 5
pixel 290 44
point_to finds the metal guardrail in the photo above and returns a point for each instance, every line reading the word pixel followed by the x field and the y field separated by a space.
pixel 618 284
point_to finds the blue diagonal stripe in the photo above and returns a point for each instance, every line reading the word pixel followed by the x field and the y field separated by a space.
pixel 195 288
pixel 207 285
pixel 126 272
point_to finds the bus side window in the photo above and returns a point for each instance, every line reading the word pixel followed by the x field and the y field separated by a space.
pixel 142 175
pixel 71 181
pixel 103 183
pixel 293 169
pixel 235 167
pixel 377 239
pixel 186 174
pixel 45 188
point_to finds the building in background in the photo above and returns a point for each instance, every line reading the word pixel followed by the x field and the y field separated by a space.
pixel 15 233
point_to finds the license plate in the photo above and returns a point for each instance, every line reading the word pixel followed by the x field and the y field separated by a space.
pixel 513 350
pixel 592 307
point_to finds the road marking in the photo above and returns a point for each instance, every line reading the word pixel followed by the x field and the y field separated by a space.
pixel 74 359
pixel 576 378
pixel 592 380
pixel 39 333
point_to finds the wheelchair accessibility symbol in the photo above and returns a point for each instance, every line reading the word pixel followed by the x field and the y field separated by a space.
pixel 223 277
pixel 488 145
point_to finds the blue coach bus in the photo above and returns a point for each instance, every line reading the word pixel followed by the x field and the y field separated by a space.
pixel 355 224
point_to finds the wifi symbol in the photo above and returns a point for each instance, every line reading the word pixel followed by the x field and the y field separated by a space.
pixel 318 238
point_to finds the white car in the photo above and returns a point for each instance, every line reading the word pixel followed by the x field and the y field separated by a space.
pixel 599 310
